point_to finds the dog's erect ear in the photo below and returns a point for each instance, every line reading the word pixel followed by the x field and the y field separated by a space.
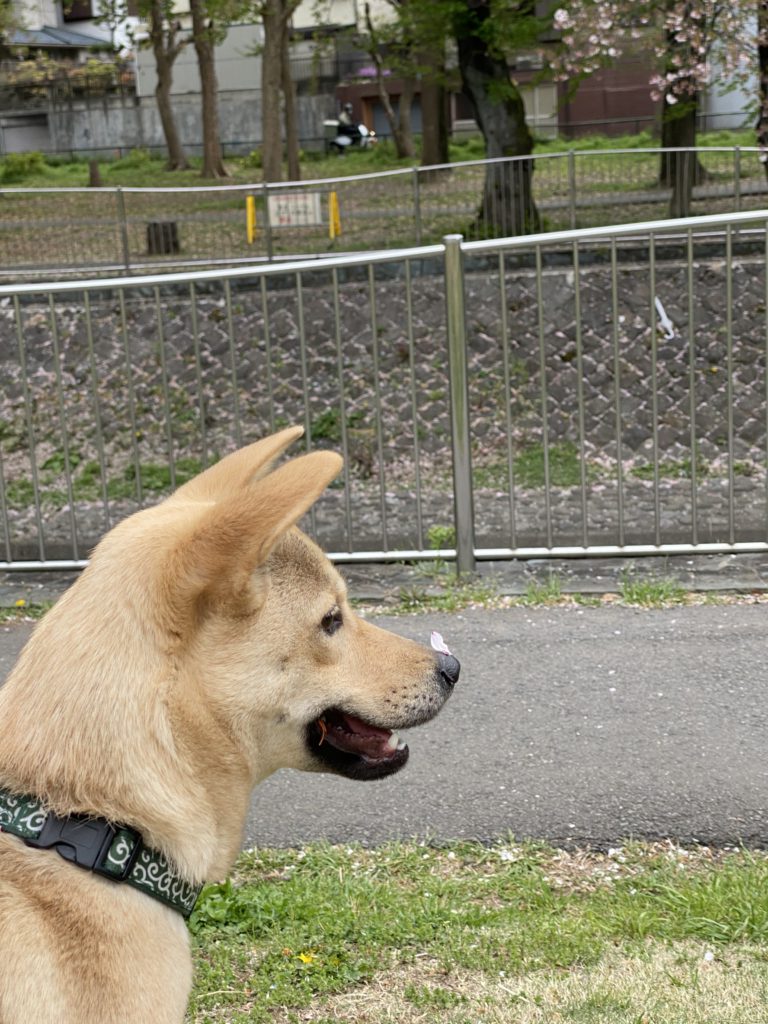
pixel 230 540
pixel 237 470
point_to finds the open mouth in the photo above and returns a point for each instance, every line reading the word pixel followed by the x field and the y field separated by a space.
pixel 355 748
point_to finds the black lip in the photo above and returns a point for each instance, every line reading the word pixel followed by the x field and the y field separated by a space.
pixel 352 766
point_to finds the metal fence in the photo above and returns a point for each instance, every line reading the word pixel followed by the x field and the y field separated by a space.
pixel 601 391
pixel 130 230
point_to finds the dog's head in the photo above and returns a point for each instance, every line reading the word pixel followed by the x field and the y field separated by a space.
pixel 260 627
pixel 209 643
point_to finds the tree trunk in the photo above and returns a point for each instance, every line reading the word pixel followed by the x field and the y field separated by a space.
pixel 271 84
pixel 165 52
pixel 680 168
pixel 177 158
pixel 434 111
pixel 762 54
pixel 400 131
pixel 507 206
pixel 404 137
pixel 399 124
pixel 679 171
pixel 679 122
pixel 94 176
pixel 202 35
pixel 291 123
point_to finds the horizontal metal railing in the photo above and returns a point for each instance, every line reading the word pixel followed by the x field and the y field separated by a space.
pixel 135 230
pixel 596 392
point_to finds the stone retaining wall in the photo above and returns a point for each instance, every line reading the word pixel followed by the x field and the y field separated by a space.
pixel 204 390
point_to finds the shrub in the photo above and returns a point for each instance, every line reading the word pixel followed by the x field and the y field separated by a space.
pixel 18 166
pixel 253 160
pixel 136 158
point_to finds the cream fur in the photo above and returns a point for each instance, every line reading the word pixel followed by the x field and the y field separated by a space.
pixel 180 670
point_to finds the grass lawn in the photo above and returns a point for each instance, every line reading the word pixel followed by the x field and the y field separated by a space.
pixel 138 169
pixel 463 933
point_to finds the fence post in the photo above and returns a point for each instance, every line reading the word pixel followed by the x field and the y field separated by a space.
pixel 267 222
pixel 737 178
pixel 417 205
pixel 572 186
pixel 459 403
pixel 123 225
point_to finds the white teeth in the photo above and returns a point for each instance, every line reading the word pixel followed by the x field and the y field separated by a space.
pixel 402 745
pixel 393 743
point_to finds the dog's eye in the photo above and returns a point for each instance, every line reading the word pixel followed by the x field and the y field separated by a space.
pixel 331 622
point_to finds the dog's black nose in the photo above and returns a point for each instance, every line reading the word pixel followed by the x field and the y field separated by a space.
pixel 449 668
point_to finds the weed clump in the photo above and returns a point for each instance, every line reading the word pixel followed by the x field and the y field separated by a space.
pixel 15 167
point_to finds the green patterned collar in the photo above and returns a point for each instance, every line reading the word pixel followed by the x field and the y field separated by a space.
pixel 113 851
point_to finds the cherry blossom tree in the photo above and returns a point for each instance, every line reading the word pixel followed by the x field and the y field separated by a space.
pixel 680 36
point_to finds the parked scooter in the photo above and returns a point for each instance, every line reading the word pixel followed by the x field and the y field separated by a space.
pixel 340 137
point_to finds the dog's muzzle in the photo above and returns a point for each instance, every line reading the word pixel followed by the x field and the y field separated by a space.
pixel 344 743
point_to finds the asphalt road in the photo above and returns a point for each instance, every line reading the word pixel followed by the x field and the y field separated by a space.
pixel 571 725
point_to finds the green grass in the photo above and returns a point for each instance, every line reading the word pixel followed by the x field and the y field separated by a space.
pixel 87 481
pixel 563 465
pixel 447 593
pixel 24 611
pixel 138 168
pixel 545 593
pixel 338 933
pixel 444 590
pixel 651 592
pixel 680 469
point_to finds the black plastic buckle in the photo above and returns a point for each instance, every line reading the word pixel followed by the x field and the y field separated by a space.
pixel 85 842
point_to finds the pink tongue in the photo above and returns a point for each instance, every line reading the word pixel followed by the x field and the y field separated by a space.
pixel 358 737
pixel 361 728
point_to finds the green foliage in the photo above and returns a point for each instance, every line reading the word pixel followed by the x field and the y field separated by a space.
pixel 650 592
pixel 543 593
pixel 19 493
pixel 15 167
pixel 24 611
pixel 327 426
pixel 324 919
pixel 253 161
pixel 57 463
pixel 439 537
pixel 468 147
pixel 155 478
pixel 449 593
pixel 433 996
pixel 35 73
pixel 138 168
pixel 563 463
pixel 672 468
pixel 137 159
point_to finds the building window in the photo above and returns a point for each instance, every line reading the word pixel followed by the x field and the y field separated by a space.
pixel 77 10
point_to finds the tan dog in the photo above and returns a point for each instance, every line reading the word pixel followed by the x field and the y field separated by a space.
pixel 208 643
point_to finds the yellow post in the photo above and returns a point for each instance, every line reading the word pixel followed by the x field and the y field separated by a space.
pixel 250 218
pixel 334 218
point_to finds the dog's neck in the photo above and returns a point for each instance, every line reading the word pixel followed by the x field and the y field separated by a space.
pixel 60 742
pixel 94 844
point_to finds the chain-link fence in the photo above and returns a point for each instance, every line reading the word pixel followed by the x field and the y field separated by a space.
pixel 139 229
pixel 601 391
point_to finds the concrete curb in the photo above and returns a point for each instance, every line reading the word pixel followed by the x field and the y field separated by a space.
pixel 383 583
